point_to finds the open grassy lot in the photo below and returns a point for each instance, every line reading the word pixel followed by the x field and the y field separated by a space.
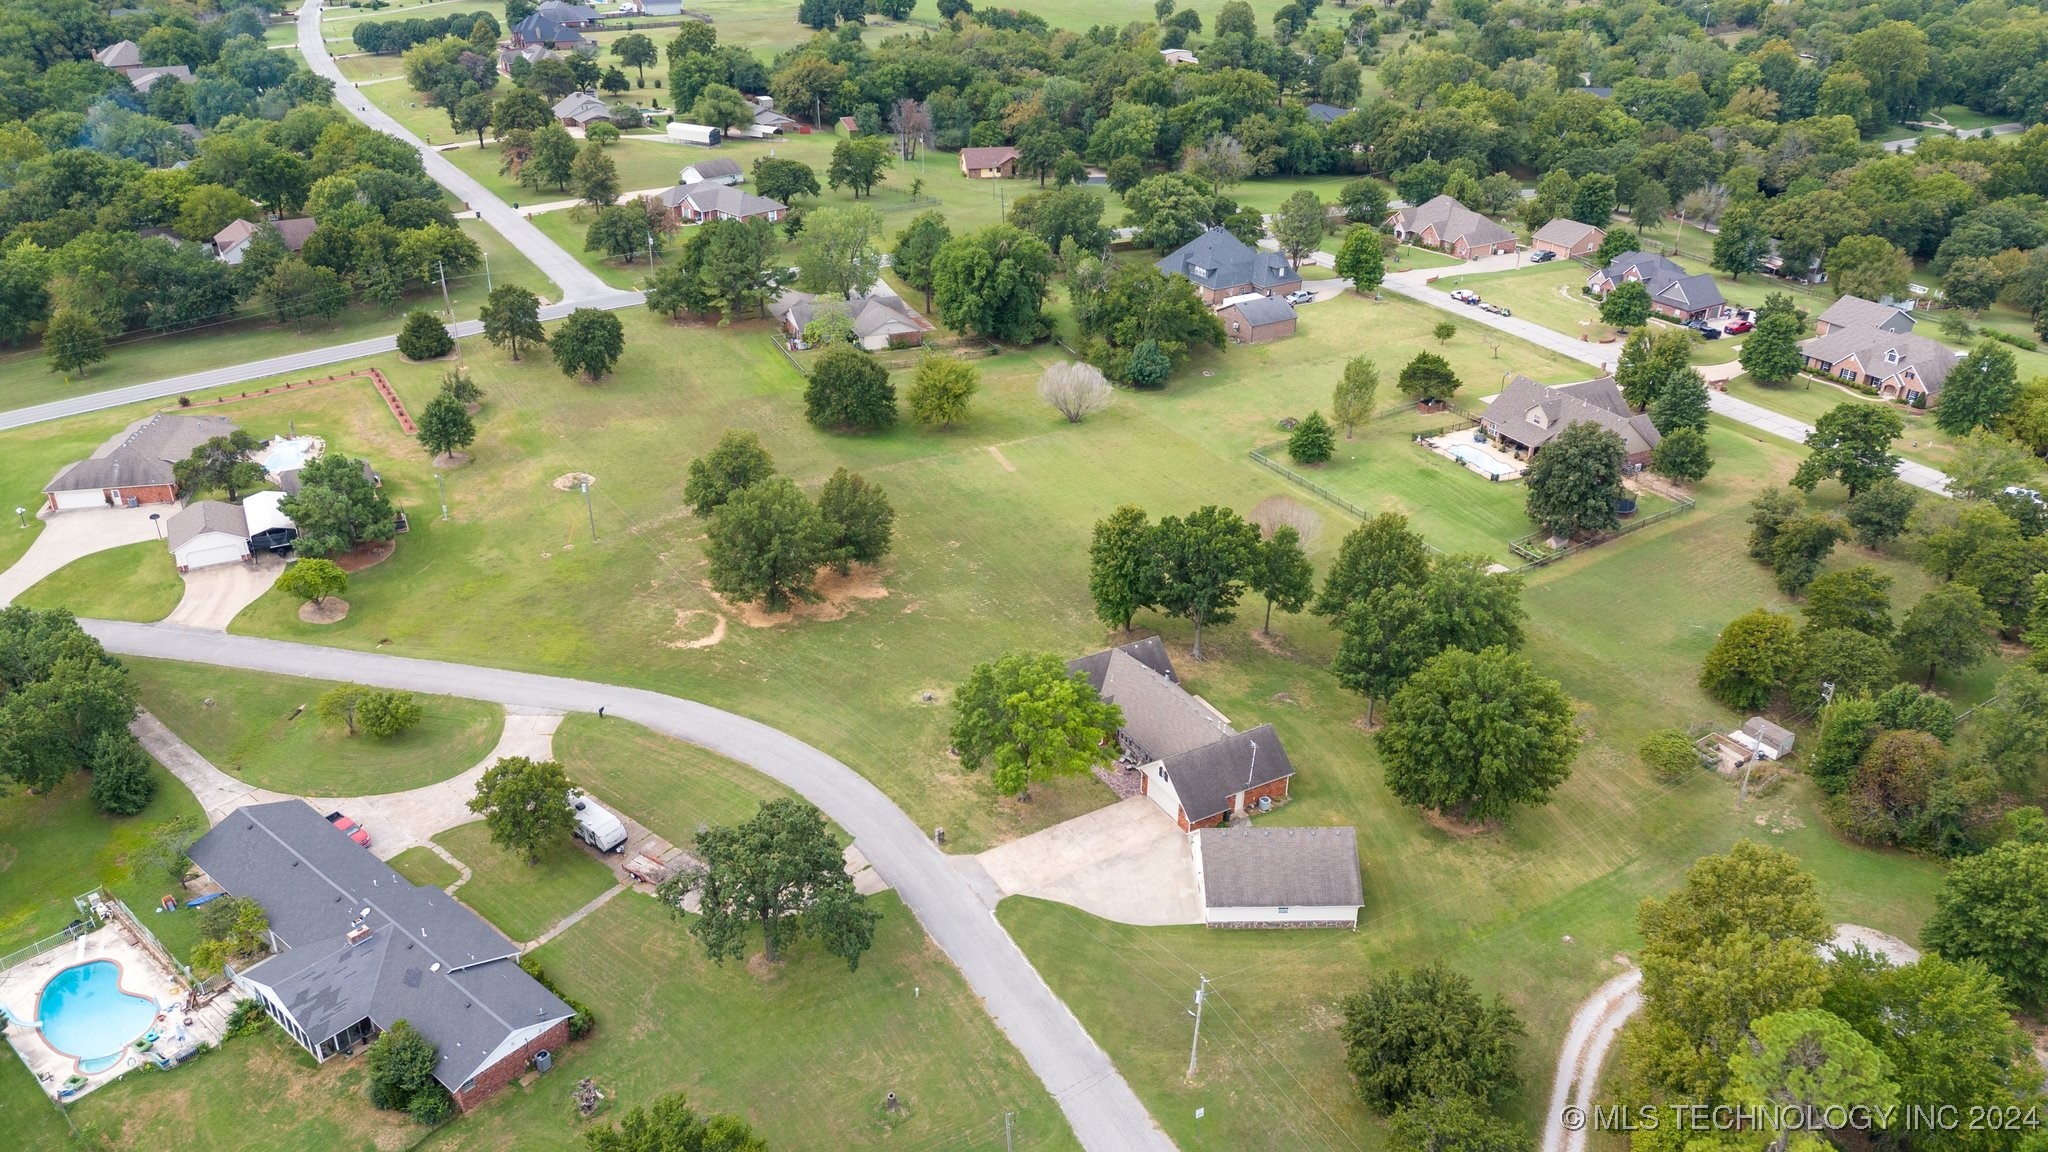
pixel 25 377
pixel 132 582
pixel 671 787
pixel 422 865
pixel 524 900
pixel 249 725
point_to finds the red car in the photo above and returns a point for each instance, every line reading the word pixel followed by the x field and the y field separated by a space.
pixel 353 830
pixel 1737 327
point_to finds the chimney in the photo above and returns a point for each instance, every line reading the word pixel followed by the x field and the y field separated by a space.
pixel 358 934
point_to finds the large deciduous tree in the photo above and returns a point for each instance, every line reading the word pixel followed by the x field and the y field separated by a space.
pixel 1282 574
pixel 1428 379
pixel 1770 354
pixel 1203 560
pixel 511 317
pixel 992 283
pixel 337 508
pixel 59 694
pixel 849 390
pixel 836 253
pixel 940 389
pixel 1032 719
pixel 1949 628
pixel 445 425
pixel 917 248
pixel 1753 657
pixel 859 521
pixel 1980 389
pixel 736 461
pixel 1379 553
pixel 1352 402
pixel 782 873
pixel 1575 481
pixel 588 343
pixel 1852 443
pixel 1122 566
pixel 1299 225
pixel 1361 259
pixel 766 544
pixel 1993 909
pixel 223 464
pixel 1423 1034
pixel 525 805
pixel 1477 734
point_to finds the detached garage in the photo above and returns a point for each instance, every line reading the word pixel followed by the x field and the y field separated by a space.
pixel 1278 877
pixel 208 533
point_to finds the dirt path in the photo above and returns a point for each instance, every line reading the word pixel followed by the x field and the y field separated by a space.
pixel 1598 1021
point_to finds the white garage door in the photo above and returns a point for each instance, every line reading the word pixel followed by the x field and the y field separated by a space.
pixel 81 498
pixel 212 549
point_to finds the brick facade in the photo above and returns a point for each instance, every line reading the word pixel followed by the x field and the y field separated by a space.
pixel 507 1070
pixel 1276 790
pixel 140 493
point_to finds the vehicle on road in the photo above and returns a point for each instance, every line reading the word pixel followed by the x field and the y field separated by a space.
pixel 1465 296
pixel 1542 256
pixel 350 828
pixel 594 825
pixel 1300 296
pixel 1496 309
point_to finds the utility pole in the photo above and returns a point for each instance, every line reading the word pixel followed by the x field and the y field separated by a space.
pixel 443 487
pixel 587 511
pixel 1194 1049
pixel 1007 1146
pixel 441 269
pixel 487 273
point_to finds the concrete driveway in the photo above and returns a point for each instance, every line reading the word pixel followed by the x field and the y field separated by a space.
pixel 215 596
pixel 401 820
pixel 1128 862
pixel 67 536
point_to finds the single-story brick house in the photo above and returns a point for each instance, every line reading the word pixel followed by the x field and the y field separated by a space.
pixel 1193 764
pixel 1675 294
pixel 578 109
pixel 697 203
pixel 988 163
pixel 231 243
pixel 207 533
pixel 1895 365
pixel 1255 319
pixel 1448 226
pixel 1568 238
pixel 1278 877
pixel 1526 415
pixel 1222 267
pixel 1856 312
pixel 881 320
pixel 134 467
pixel 356 947
pixel 546 31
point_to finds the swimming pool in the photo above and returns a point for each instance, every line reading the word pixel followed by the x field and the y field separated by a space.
pixel 86 1015
pixel 1481 460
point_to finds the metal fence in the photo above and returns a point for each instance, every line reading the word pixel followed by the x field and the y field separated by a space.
pixel 88 921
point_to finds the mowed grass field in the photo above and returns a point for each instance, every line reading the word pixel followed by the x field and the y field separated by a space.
pixel 524 900
pixel 132 582
pixel 266 730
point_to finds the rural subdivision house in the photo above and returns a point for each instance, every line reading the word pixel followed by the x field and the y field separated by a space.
pixel 1448 226
pixel 1278 877
pixel 231 243
pixel 1894 365
pixel 134 467
pixel 1222 267
pixel 1326 113
pixel 881 320
pixel 568 15
pixel 579 109
pixel 1856 312
pixel 1256 319
pixel 716 171
pixel 1675 294
pixel 1193 764
pixel 709 200
pixel 769 122
pixel 1175 57
pixel 357 947
pixel 542 30
pixel 988 163
pixel 1570 239
pixel 1526 415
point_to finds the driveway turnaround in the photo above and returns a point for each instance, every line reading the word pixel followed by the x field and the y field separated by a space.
pixel 1100 1107
pixel 67 536
pixel 1128 862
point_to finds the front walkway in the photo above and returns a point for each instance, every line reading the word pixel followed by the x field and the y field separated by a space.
pixel 1128 862
pixel 69 536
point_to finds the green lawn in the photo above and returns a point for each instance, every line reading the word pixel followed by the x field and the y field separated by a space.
pixel 670 787
pixel 249 725
pixel 25 378
pixel 132 582
pixel 524 900
pixel 422 865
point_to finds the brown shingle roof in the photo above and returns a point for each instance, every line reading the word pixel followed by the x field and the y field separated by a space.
pixel 195 520
pixel 987 157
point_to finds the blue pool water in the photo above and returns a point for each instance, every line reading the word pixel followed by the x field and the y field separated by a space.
pixel 1478 459
pixel 86 1015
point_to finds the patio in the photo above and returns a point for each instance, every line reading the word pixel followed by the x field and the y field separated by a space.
pixel 1472 448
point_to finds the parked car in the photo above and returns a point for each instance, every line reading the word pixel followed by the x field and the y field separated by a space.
pixel 1300 296
pixel 1496 309
pixel 350 828
pixel 594 825
pixel 2026 493
pixel 1542 256
pixel 1708 332
pixel 1737 327
pixel 1465 296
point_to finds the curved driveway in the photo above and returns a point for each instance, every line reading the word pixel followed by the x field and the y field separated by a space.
pixel 1100 1107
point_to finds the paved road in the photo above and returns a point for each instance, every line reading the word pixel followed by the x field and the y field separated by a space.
pixel 1414 284
pixel 1104 1113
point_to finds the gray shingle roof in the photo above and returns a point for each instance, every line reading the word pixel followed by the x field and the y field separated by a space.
pixel 1874 347
pixel 1280 867
pixel 545 29
pixel 1453 222
pixel 1764 730
pixel 1218 261
pixel 1150 652
pixel 582 106
pixel 1564 232
pixel 1326 113
pixel 119 54
pixel 142 454
pixel 706 170
pixel 1264 310
pixel 712 196
pixel 1690 293
pixel 428 959
pixel 1856 312
pixel 196 520
pixel 1644 264
pixel 1530 413
pixel 567 13
pixel 1160 717
pixel 872 313
pixel 1206 777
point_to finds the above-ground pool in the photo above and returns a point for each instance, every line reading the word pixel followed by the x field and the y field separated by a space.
pixel 85 1014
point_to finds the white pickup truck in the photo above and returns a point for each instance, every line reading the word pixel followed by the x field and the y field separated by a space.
pixel 595 825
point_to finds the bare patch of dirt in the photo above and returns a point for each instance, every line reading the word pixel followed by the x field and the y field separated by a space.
pixel 571 481
pixel 759 967
pixel 327 611
pixel 836 596
pixel 1458 829
pixel 1273 643
pixel 1275 511
pixel 684 618
pixel 451 460
pixel 1001 459
pixel 366 556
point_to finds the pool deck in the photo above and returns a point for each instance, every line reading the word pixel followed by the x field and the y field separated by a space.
pixel 1501 465
pixel 141 975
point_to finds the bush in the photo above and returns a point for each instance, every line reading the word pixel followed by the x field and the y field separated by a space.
pixel 121 780
pixel 1313 441
pixel 582 1022
pixel 248 1019
pixel 1669 754
pixel 424 337
pixel 2008 338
